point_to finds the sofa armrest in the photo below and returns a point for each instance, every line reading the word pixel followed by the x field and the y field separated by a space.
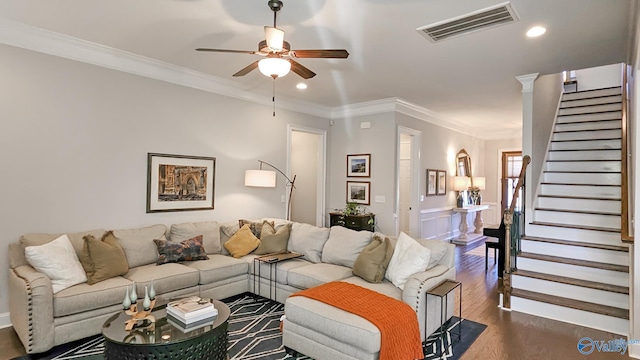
pixel 31 308
pixel 415 290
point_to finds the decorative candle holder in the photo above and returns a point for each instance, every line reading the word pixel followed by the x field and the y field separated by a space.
pixel 130 305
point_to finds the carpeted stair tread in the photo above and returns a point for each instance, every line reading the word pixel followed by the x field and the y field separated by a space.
pixel 573 281
pixel 571 303
pixel 577 243
pixel 577 262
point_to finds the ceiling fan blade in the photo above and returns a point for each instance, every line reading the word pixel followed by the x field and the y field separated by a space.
pixel 249 68
pixel 299 69
pixel 228 51
pixel 326 53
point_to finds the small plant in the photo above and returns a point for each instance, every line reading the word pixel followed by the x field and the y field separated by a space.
pixel 352 208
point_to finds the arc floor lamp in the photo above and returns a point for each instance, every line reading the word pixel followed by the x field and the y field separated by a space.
pixel 267 178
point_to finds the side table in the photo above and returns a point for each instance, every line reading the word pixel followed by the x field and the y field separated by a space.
pixel 442 291
pixel 272 260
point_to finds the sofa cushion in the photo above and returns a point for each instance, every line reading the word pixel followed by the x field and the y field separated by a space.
pixel 218 267
pixel 385 287
pixel 255 226
pixel 308 240
pixel 409 257
pixel 272 241
pixel 210 231
pixel 76 239
pixel 85 297
pixel 344 245
pixel 242 242
pixel 58 260
pixel 138 244
pixel 186 250
pixel 305 277
pixel 103 259
pixel 371 264
pixel 166 278
pixel 438 249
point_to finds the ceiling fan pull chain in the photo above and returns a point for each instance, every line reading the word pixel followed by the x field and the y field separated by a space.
pixel 273 97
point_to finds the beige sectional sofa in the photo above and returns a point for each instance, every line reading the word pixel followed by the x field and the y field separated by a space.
pixel 43 319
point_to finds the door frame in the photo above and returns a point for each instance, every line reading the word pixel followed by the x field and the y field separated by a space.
pixel 414 213
pixel 322 168
pixel 500 165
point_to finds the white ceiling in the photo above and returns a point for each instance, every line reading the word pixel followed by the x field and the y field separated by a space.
pixel 469 80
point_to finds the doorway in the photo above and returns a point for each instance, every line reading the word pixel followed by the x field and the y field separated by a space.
pixel 408 180
pixel 306 160
pixel 511 165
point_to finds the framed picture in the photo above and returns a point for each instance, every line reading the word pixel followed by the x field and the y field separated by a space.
pixel 359 165
pixel 442 182
pixel 179 182
pixel 359 192
pixel 432 182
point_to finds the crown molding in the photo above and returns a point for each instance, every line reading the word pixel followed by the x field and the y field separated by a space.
pixel 48 42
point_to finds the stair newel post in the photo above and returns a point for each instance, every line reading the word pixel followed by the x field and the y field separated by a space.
pixel 506 276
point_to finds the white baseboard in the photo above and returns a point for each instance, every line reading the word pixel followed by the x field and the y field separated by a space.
pixel 5 320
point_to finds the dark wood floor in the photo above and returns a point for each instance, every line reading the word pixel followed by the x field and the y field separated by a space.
pixel 509 335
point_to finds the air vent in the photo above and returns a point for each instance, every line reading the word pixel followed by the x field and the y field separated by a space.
pixel 500 14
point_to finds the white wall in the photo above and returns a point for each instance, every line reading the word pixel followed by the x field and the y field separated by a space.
pixel 546 95
pixel 75 138
pixel 599 77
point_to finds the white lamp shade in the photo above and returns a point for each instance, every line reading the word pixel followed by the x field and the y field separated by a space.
pixel 260 178
pixel 480 182
pixel 274 37
pixel 274 67
pixel 461 183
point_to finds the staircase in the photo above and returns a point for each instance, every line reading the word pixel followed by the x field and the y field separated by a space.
pixel 573 266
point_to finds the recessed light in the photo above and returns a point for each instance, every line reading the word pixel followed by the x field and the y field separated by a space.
pixel 301 86
pixel 536 31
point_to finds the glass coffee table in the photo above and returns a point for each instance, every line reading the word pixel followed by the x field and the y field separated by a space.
pixel 164 340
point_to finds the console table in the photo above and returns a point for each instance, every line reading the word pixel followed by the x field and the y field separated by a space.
pixel 353 222
pixel 465 237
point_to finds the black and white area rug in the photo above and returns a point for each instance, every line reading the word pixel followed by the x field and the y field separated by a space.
pixel 254 334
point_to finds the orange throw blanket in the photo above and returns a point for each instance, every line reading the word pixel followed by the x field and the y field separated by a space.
pixel 397 321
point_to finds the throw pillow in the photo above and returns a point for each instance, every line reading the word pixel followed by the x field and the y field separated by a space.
pixel 138 243
pixel 58 260
pixel 103 259
pixel 255 226
pixel 210 231
pixel 344 245
pixel 409 257
pixel 272 241
pixel 373 261
pixel 242 242
pixel 186 250
pixel 438 249
pixel 308 240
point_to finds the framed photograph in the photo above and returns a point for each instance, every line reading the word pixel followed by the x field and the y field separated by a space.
pixel 442 182
pixel 179 182
pixel 432 182
pixel 359 192
pixel 359 165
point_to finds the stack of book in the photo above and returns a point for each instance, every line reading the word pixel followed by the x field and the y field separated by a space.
pixel 191 313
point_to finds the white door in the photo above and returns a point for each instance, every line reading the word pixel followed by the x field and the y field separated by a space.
pixel 404 172
pixel 306 161
pixel 408 180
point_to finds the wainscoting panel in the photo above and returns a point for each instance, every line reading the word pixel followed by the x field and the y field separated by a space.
pixel 437 224
pixel 5 321
pixel 491 216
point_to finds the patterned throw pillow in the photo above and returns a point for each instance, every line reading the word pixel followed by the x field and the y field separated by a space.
pixel 186 250
pixel 255 226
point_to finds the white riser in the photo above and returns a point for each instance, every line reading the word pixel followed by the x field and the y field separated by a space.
pixel 571 291
pixel 572 316
pixel 604 134
pixel 601 125
pixel 583 178
pixel 592 101
pixel 590 236
pixel 590 117
pixel 579 204
pixel 590 109
pixel 579 190
pixel 611 165
pixel 575 252
pixel 609 222
pixel 593 144
pixel 586 155
pixel 594 93
pixel 573 271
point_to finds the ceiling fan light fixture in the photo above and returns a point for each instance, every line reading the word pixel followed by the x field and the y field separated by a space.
pixel 274 38
pixel 274 67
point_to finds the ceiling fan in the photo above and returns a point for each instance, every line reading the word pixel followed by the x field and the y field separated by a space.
pixel 277 53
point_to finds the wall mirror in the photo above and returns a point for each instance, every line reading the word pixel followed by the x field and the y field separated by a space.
pixel 463 163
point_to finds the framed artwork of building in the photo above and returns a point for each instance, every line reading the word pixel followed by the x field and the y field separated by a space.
pixel 179 182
